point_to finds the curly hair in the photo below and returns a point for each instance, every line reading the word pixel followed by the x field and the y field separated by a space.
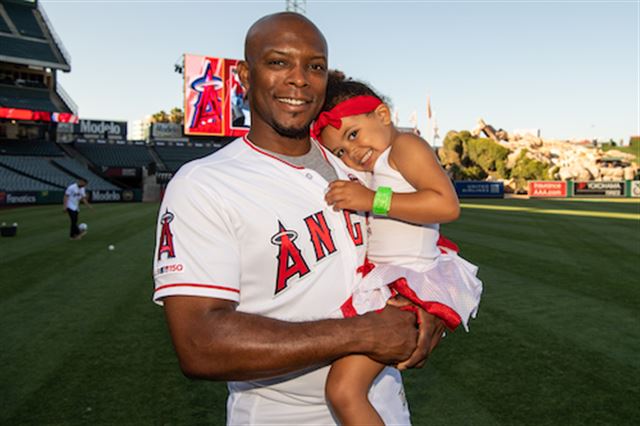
pixel 340 88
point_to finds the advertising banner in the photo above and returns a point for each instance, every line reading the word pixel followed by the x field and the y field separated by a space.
pixel 109 196
pixel 166 130
pixel 479 189
pixel 29 115
pixel 634 188
pixel 599 189
pixel 557 189
pixel 92 129
pixel 214 101
pixel 30 197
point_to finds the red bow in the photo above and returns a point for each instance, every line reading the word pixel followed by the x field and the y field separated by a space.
pixel 353 106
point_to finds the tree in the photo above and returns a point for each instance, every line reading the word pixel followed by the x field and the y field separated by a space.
pixel 176 116
pixel 160 117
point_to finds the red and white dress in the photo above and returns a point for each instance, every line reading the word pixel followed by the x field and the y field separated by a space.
pixel 419 263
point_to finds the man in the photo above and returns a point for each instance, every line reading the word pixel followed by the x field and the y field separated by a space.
pixel 73 195
pixel 250 259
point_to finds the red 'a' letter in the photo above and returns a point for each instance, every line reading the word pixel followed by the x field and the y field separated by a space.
pixel 166 237
pixel 323 244
pixel 290 260
pixel 354 231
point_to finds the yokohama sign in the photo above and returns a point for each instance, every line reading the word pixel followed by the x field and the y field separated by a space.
pixel 557 189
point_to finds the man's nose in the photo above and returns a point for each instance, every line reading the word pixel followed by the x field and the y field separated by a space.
pixel 298 76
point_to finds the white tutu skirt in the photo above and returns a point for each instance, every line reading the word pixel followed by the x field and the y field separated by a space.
pixel 447 287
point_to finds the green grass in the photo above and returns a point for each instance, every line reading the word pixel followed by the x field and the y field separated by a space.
pixel 556 340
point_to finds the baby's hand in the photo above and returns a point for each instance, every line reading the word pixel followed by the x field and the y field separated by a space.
pixel 347 195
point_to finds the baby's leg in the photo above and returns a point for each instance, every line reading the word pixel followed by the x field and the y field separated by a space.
pixel 347 390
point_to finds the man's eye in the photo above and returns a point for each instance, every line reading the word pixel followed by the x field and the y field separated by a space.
pixel 339 152
pixel 318 67
pixel 277 62
pixel 352 135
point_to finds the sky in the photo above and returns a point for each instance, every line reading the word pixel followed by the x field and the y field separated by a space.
pixel 568 68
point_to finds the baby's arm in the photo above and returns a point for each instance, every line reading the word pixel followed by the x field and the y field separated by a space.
pixel 435 200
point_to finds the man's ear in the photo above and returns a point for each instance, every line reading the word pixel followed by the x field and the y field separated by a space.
pixel 243 73
pixel 383 112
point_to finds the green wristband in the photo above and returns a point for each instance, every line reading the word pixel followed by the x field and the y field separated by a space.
pixel 382 201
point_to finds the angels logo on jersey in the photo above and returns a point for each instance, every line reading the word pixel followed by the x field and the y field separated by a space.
pixel 290 260
pixel 166 237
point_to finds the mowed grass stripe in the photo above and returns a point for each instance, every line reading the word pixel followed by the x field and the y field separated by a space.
pixel 613 215
pixel 555 341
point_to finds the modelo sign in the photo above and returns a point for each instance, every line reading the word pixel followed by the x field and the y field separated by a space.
pixel 117 129
pixel 599 189
pixel 548 189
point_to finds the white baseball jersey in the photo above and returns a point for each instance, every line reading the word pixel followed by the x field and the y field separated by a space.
pixel 74 194
pixel 246 226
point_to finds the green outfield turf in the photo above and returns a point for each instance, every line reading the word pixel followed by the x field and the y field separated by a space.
pixel 557 339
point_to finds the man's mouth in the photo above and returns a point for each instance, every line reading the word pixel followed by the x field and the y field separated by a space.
pixel 292 101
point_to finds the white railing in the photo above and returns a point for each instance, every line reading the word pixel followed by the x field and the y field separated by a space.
pixel 67 99
pixel 54 35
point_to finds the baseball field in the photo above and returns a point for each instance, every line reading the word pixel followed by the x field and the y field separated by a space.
pixel 556 341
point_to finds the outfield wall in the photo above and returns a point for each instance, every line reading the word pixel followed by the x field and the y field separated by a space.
pixel 8 198
pixel 464 189
pixel 586 189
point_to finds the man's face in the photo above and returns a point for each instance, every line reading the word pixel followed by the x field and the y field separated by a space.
pixel 286 76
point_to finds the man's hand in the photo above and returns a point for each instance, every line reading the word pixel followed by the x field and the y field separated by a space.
pixel 392 335
pixel 347 195
pixel 429 334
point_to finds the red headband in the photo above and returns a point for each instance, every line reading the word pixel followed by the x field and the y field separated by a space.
pixel 352 106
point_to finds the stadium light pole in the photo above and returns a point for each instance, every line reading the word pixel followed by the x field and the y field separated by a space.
pixel 297 6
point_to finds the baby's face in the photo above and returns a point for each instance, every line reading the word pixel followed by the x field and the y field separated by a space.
pixel 359 141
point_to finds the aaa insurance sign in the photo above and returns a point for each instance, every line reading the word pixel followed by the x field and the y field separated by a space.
pixel 556 189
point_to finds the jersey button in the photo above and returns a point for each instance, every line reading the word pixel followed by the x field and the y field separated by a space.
pixel 309 176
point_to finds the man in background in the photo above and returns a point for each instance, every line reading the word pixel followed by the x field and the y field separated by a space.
pixel 73 195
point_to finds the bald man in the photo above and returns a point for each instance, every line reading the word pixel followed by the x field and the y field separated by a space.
pixel 251 264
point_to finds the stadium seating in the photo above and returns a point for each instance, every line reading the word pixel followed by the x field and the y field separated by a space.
pixel 175 156
pixel 4 27
pixel 24 20
pixel 12 181
pixel 30 49
pixel 115 154
pixel 26 98
pixel 39 168
pixel 74 167
pixel 29 147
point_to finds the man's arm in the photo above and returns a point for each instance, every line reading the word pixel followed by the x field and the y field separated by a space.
pixel 85 200
pixel 214 341
pixel 64 203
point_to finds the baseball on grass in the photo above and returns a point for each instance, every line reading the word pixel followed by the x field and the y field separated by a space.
pixel 112 247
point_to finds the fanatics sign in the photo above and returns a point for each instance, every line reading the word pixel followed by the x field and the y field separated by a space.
pixel 557 189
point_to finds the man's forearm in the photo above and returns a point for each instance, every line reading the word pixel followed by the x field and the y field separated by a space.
pixel 223 344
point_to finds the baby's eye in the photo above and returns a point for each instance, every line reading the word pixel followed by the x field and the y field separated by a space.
pixel 339 152
pixel 351 136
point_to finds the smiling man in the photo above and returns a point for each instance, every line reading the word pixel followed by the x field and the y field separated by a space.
pixel 251 264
